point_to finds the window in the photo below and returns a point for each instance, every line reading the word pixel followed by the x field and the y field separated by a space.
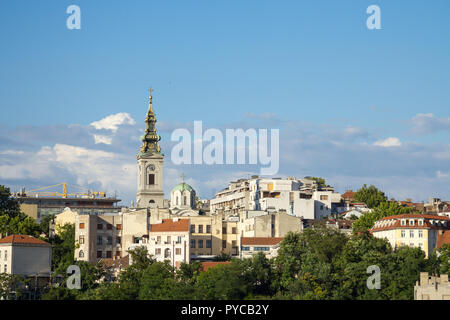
pixel 324 197
pixel 420 222
pixel 224 230
pixel 233 230
pixel 151 179
pixel 99 226
pixel 200 243
pixel 224 244
pixel 108 254
pixel 421 245
pixel 184 200
pixel 208 243
pixel 233 243
pixel 99 254
pixel 420 234
pixel 179 238
pixel 261 248
pixel 411 233
pixel 178 251
pixel 403 233
pixel 81 239
pixel 169 239
pixel 158 251
pixel 81 254
pixel 200 228
pixel 192 228
pixel 158 239
pixel 118 240
pixel 109 240
pixel 81 226
pixel 411 222
pixel 208 228
pixel 192 243
pixel 109 226
pixel 118 226
pixel 245 249
pixel 99 240
pixel 403 223
pixel 167 253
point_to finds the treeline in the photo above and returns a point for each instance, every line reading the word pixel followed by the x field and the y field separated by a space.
pixel 318 263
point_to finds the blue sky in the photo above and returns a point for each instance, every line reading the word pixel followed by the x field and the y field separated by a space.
pixel 312 68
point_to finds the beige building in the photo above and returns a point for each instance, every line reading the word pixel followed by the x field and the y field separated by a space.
pixel 264 224
pixel 168 240
pixel 415 230
pixel 98 237
pixel 253 245
pixel 25 255
pixel 432 288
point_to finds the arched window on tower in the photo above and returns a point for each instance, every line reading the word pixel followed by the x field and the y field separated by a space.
pixel 184 200
pixel 177 201
pixel 81 254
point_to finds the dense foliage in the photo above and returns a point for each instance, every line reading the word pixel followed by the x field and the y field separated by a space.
pixel 319 263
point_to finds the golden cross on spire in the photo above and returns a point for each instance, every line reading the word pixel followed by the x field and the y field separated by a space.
pixel 150 90
pixel 182 177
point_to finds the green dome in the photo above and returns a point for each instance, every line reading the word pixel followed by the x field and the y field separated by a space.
pixel 183 186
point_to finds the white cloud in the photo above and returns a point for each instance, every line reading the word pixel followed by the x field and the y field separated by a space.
pixel 424 123
pixel 388 142
pixel 98 138
pixel 112 122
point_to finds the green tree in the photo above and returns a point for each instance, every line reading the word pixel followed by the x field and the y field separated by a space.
pixel 385 209
pixel 371 196
pixel 223 282
pixel 11 286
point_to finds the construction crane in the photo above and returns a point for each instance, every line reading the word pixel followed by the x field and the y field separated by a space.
pixel 64 192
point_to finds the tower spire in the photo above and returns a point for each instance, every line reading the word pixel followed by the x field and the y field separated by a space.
pixel 150 139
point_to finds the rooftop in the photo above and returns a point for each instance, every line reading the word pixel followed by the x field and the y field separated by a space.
pixel 269 241
pixel 169 225
pixel 23 239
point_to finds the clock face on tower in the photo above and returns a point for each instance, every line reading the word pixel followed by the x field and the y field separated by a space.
pixel 151 167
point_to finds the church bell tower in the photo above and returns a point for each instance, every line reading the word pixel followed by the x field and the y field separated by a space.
pixel 150 165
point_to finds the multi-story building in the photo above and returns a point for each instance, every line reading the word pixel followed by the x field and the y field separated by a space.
pixel 98 237
pixel 267 245
pixel 432 287
pixel 168 240
pixel 415 230
pixel 25 255
pixel 265 224
pixel 232 199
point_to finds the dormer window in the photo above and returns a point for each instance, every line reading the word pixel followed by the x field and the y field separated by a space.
pixel 411 222
pixel 403 223
pixel 420 222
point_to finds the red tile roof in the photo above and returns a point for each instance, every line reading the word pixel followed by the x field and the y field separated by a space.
pixel 23 239
pixel 169 225
pixel 207 265
pixel 397 223
pixel 416 216
pixel 443 238
pixel 260 241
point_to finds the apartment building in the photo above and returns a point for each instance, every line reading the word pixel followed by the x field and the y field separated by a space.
pixel 232 199
pixel 265 224
pixel 25 255
pixel 98 237
pixel 267 245
pixel 415 230
pixel 167 240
